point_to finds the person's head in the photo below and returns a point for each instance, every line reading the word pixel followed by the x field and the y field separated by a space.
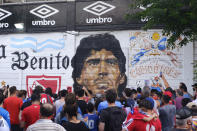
pixel 13 90
pixel 166 99
pixel 183 117
pixel 38 90
pixel 70 99
pixel 80 92
pixel 111 96
pixel 90 107
pixel 48 91
pixel 46 111
pixel 179 92
pixel 127 92
pixel 185 101
pixel 70 110
pixel 146 91
pixel 22 94
pixel 63 93
pixel 1 98
pixel 139 90
pixel 35 97
pixel 133 93
pixel 183 87
pixel 99 64
pixel 146 104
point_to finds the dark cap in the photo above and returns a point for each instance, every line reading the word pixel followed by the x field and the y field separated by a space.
pixel 194 85
pixel 183 113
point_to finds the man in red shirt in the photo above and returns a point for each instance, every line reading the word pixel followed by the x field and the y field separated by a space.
pixel 13 104
pixel 142 120
pixel 31 114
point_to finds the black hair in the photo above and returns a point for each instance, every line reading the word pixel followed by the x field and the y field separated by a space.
pixel 97 102
pixel 185 101
pixel 12 90
pixel 166 99
pixel 63 93
pixel 139 90
pixel 145 104
pixel 90 107
pixel 1 98
pixel 97 43
pixel 71 110
pixel 70 99
pixel 183 87
pixel 127 92
pixel 80 92
pixel 38 90
pixel 48 91
pixel 111 95
pixel 46 110
pixel 22 93
pixel 35 97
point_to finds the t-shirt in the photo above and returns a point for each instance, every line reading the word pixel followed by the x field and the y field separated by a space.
pixel 69 126
pixel 58 104
pixel 30 114
pixel 5 115
pixel 106 117
pixel 83 106
pixel 44 99
pixel 4 125
pixel 178 102
pixel 167 116
pixel 13 104
pixel 92 122
pixel 104 105
pixel 135 122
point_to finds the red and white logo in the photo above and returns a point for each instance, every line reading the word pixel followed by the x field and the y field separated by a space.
pixel 54 82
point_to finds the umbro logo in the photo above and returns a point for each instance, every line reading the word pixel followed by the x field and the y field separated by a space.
pixel 44 11
pixel 4 14
pixel 99 8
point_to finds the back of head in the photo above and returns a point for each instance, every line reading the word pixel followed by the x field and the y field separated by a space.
pixel 70 99
pixel 90 107
pixel 139 90
pixel 46 110
pixel 48 91
pixel 166 99
pixel 38 90
pixel 179 92
pixel 35 97
pixel 71 110
pixel 127 92
pixel 183 115
pixel 111 95
pixel 146 103
pixel 80 92
pixel 146 91
pixel 63 93
pixel 185 101
pixel 12 90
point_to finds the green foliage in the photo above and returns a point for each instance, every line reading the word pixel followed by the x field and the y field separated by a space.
pixel 195 71
pixel 178 18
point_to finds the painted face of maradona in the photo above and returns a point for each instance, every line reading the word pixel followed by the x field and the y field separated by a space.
pixel 101 72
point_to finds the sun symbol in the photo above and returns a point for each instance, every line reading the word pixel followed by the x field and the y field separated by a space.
pixel 155 36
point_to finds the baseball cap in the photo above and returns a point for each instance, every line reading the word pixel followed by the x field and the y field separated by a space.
pixel 183 113
pixel 193 107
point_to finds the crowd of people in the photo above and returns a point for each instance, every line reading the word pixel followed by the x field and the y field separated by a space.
pixel 141 109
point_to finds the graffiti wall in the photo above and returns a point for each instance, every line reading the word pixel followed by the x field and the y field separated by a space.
pixel 59 60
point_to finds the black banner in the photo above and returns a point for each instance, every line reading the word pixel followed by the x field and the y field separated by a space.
pixel 81 15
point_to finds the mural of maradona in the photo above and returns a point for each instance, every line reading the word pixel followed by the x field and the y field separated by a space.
pixel 99 64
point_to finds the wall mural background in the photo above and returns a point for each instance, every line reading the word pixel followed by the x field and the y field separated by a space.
pixel 50 54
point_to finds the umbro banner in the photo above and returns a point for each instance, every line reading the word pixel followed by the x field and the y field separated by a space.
pixel 63 16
